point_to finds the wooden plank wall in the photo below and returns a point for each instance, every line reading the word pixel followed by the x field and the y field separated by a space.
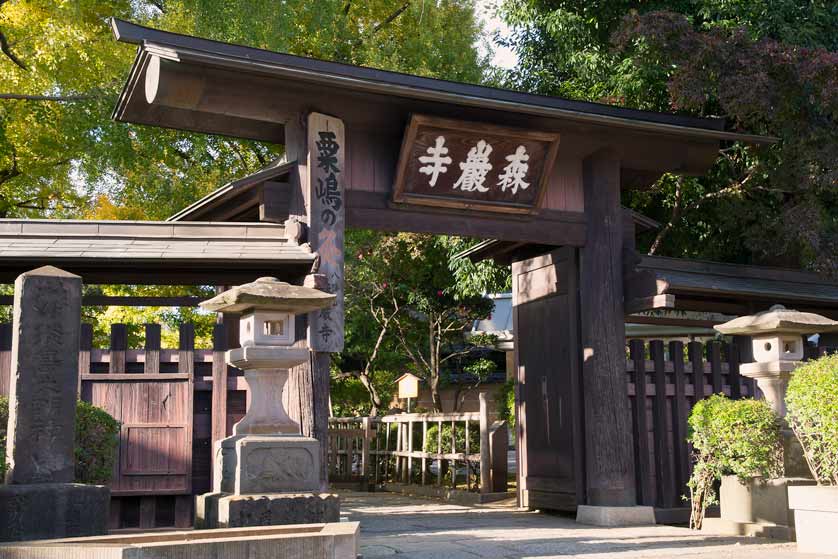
pixel 668 379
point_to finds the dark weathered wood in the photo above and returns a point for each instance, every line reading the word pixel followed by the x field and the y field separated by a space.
pixel 152 349
pixel 695 355
pixel 183 511
pixel 148 509
pixel 458 139
pixel 119 343
pixel 664 478
pixel 679 414
pixel 326 221
pixel 734 379
pixel 373 210
pixel 714 357
pixel 186 365
pixel 643 482
pixel 127 301
pixel 274 202
pixel 545 311
pixel 85 345
pixel 608 438
pixel 115 514
pixel 320 364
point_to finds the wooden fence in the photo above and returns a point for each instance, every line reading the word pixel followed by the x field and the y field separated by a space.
pixel 170 415
pixel 664 382
pixel 464 451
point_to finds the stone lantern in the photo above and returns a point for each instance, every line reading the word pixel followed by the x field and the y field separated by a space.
pixel 761 506
pixel 777 338
pixel 267 472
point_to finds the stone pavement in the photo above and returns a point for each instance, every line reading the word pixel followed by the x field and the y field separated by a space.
pixel 394 525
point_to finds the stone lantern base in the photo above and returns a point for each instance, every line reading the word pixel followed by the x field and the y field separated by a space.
pixel 265 480
pixel 223 510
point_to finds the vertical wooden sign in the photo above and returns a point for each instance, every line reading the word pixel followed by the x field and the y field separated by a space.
pixel 326 218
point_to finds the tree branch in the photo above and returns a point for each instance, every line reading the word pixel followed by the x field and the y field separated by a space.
pixel 673 218
pixel 389 19
pixel 49 98
pixel 7 50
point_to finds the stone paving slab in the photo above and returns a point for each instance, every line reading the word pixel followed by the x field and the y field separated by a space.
pixel 406 527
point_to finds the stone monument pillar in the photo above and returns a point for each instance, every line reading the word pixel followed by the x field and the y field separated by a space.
pixel 266 473
pixel 40 499
pixel 761 507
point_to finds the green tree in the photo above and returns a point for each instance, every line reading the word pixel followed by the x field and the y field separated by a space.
pixel 768 66
pixel 61 72
pixel 405 282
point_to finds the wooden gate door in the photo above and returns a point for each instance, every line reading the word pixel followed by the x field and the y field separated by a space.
pixel 155 447
pixel 548 398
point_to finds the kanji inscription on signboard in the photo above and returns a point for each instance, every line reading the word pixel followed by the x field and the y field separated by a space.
pixel 457 164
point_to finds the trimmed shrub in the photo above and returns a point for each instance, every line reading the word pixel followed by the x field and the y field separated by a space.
pixel 812 412
pixel 730 437
pixel 97 439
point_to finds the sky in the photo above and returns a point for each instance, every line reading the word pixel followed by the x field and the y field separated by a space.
pixel 485 9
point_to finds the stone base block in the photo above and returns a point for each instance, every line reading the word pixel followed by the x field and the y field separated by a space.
pixel 53 510
pixel 816 517
pixel 726 527
pixel 757 508
pixel 221 510
pixel 267 464
pixel 615 516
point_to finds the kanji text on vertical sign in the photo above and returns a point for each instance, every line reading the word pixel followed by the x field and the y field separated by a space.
pixel 457 164
pixel 326 156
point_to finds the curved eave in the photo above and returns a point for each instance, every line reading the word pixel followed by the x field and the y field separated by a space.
pixel 256 62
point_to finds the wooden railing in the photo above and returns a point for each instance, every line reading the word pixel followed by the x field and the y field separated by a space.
pixel 457 450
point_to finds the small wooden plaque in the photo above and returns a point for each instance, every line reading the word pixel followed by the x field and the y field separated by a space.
pixel 457 164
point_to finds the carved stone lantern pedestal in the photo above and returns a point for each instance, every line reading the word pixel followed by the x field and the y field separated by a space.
pixel 761 507
pixel 267 473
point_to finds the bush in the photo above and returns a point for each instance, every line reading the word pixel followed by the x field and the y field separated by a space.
pixel 730 437
pixel 506 404
pixel 97 439
pixel 812 402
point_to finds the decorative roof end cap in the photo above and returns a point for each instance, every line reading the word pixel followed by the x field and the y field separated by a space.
pixel 778 319
pixel 269 294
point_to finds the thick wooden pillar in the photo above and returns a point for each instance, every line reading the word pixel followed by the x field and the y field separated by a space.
pixel 317 142
pixel 609 447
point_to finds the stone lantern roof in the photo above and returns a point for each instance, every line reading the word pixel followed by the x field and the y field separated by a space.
pixel 269 294
pixel 778 319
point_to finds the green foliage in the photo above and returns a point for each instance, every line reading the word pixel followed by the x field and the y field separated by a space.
pixel 767 66
pixel 96 445
pixel 506 404
pixel 812 402
pixel 97 440
pixel 405 310
pixel 459 438
pixel 730 437
pixel 63 156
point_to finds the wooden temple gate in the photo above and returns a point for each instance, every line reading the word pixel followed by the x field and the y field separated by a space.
pixel 539 177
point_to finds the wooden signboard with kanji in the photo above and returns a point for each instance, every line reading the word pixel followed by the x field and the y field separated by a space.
pixel 457 164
